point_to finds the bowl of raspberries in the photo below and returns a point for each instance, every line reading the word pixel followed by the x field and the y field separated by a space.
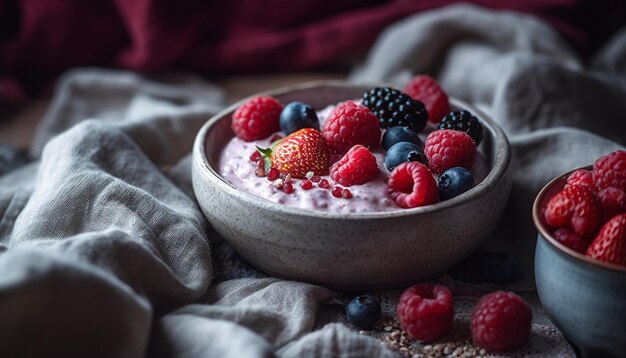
pixel 580 258
pixel 352 185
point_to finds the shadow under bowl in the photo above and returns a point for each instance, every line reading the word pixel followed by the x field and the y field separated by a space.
pixel 355 251
pixel 584 297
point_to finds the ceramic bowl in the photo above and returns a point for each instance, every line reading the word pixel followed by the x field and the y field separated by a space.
pixel 585 298
pixel 348 251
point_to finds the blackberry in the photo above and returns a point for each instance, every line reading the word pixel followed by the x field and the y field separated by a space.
pixel 463 121
pixel 394 108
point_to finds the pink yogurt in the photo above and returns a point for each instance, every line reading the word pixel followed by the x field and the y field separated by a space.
pixel 236 167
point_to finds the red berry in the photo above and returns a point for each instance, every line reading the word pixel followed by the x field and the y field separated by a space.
pixel 426 311
pixel 612 201
pixel 426 90
pixel 580 177
pixel 610 171
pixel 501 320
pixel 299 153
pixel 324 184
pixel 260 169
pixel 273 174
pixel 411 184
pixel 449 148
pixel 572 240
pixel 610 243
pixel 358 166
pixel 306 184
pixel 288 188
pixel 350 124
pixel 257 118
pixel 336 192
pixel 346 194
pixel 575 207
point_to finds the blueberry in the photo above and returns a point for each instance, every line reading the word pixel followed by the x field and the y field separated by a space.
pixel 397 134
pixel 298 115
pixel 363 311
pixel 404 152
pixel 453 182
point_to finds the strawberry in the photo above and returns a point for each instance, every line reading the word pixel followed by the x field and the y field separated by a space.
pixel 610 243
pixel 575 207
pixel 297 154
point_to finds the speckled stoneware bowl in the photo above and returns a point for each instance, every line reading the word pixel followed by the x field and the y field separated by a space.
pixel 585 298
pixel 348 251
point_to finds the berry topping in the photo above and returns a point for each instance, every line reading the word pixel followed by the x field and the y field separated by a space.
pixel 397 134
pixel 346 193
pixel 257 118
pixel 574 207
pixel 255 156
pixel 297 115
pixel 350 124
pixel 463 121
pixel 323 183
pixel 411 185
pixel 299 153
pixel 363 311
pixel 402 152
pixel 336 192
pixel 426 311
pixel 288 188
pixel 580 177
pixel 610 243
pixel 426 90
pixel 610 171
pixel 394 108
pixel 449 148
pixel 316 178
pixel 306 184
pixel 612 201
pixel 569 238
pixel 501 320
pixel 358 166
pixel 453 182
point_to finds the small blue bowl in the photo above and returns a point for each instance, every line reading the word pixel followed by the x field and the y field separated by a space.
pixel 584 297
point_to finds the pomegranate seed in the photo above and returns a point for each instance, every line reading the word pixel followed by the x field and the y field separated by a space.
pixel 316 178
pixel 273 174
pixel 346 194
pixel 275 137
pixel 323 183
pixel 255 156
pixel 336 192
pixel 260 169
pixel 288 188
pixel 306 185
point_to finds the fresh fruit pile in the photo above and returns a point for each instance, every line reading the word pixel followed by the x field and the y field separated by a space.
pixel 589 214
pixel 420 172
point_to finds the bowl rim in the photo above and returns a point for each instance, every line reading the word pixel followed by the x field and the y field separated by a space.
pixel 498 169
pixel 560 248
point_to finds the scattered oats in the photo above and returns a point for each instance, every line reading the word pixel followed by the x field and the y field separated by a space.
pixel 458 351
pixel 395 334
pixel 482 352
pixel 447 350
pixel 278 183
pixel 288 178
pixel 388 328
pixel 309 175
pixel 362 332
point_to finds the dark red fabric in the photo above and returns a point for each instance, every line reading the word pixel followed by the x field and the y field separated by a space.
pixel 41 38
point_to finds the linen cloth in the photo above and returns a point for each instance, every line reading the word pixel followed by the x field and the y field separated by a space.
pixel 104 252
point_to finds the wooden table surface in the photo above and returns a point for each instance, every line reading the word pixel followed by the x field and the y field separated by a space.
pixel 19 127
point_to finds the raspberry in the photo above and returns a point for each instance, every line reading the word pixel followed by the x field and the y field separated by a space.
pixel 411 184
pixel 612 201
pixel 501 320
pixel 358 166
pixel 426 90
pixel 580 177
pixel 257 118
pixel 394 108
pixel 350 124
pixel 426 311
pixel 575 207
pixel 448 148
pixel 572 240
pixel 463 121
pixel 610 171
